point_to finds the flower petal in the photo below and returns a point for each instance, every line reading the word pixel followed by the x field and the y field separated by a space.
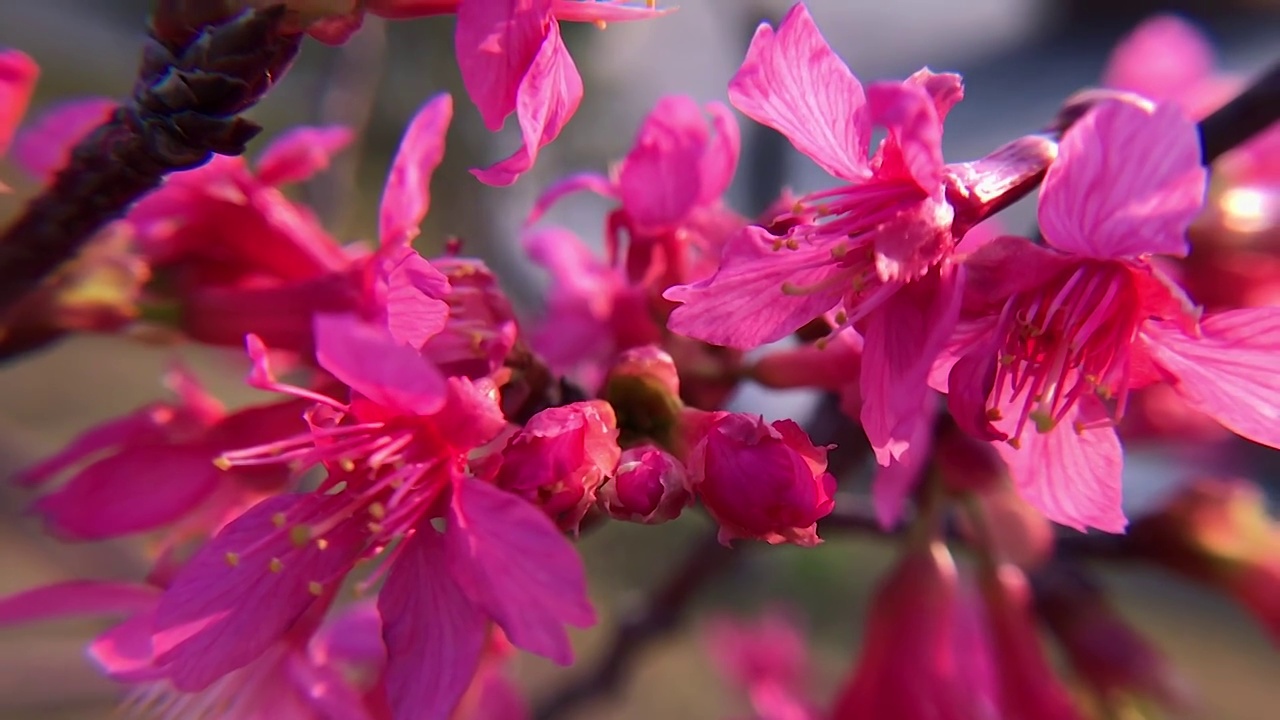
pixel 433 633
pixel 1071 476
pixel 496 42
pixel 914 144
pixel 407 194
pixel 659 181
pixel 76 598
pixel 794 82
pixel 240 593
pixel 43 147
pixel 1229 372
pixel 1127 182
pixel 720 159
pixel 902 339
pixel 548 96
pixel 511 560
pixel 945 89
pixel 138 427
pixel 371 362
pixel 744 304
pixel 414 302
pixel 138 489
pixel 895 482
pixel 301 152
pixel 1162 59
pixel 18 75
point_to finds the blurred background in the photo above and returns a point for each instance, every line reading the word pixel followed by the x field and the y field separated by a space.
pixel 1020 58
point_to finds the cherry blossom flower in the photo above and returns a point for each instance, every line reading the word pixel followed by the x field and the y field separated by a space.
pixel 396 456
pixel 768 658
pixel 878 248
pixel 1062 331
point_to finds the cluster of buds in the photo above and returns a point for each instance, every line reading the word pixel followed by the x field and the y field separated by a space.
pixel 426 448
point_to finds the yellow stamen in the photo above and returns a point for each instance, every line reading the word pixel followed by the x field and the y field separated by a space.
pixel 278 519
pixel 378 510
pixel 222 463
pixel 300 534
pixel 276 565
pixel 233 559
pixel 315 588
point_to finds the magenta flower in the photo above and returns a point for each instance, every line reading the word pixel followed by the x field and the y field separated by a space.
pixel 154 468
pixel 763 482
pixel 396 456
pixel 18 74
pixel 1062 333
pixel 561 457
pixel 768 658
pixel 668 189
pixel 877 249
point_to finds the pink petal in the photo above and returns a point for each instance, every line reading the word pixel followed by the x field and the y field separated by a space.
pixel 414 302
pixel 660 180
pixel 902 339
pixel 1163 58
pixel 137 427
pixel 371 362
pixel 353 636
pixel 971 379
pixel 138 489
pixel 549 95
pixel 587 181
pixel 720 159
pixel 497 42
pixel 794 82
pixel 915 131
pixel 124 652
pixel 44 145
pixel 895 482
pixel 744 305
pixel 407 195
pixel 18 75
pixel 1071 476
pixel 75 598
pixel 945 89
pixel 240 593
pixel 320 691
pixel 433 633
pixel 1127 182
pixel 511 560
pixel 1229 373
pixel 300 153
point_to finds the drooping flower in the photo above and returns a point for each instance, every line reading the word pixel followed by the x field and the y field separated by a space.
pixel 1062 333
pixel 766 657
pixel 877 248
pixel 761 481
pixel 155 468
pixel 396 457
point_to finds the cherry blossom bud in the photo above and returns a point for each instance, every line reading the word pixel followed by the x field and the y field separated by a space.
pixel 1105 651
pixel 762 481
pixel 1218 531
pixel 649 487
pixel 481 330
pixel 644 388
pixel 561 458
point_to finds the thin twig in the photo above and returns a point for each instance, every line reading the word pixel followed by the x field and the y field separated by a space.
pixel 199 71
pixel 1251 112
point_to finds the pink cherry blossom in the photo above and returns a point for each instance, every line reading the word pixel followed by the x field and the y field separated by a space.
pixel 650 487
pixel 877 248
pixel 669 190
pixel 1074 326
pixel 154 468
pixel 768 658
pixel 561 457
pixel 396 456
pixel 762 481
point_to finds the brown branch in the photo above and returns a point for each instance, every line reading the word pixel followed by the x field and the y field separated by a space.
pixel 200 69
pixel 1251 112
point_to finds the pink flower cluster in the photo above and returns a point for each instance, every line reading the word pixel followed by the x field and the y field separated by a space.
pixel 435 456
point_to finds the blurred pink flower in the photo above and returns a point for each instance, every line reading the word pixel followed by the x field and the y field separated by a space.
pixel 768 658
pixel 762 481
pixel 18 75
pixel 1056 332
pixel 877 248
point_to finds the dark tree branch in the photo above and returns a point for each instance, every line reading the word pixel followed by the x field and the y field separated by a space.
pixel 200 69
pixel 1251 112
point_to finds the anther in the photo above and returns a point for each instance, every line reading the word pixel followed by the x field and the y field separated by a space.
pixel 315 588
pixel 276 565
pixel 347 464
pixel 233 559
pixel 321 543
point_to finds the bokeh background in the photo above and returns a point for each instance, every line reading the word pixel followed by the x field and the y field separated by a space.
pixel 1019 59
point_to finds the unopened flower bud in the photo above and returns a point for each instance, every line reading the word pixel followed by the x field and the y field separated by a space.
pixel 762 481
pixel 1105 651
pixel 650 487
pixel 644 388
pixel 1218 531
pixel 560 459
